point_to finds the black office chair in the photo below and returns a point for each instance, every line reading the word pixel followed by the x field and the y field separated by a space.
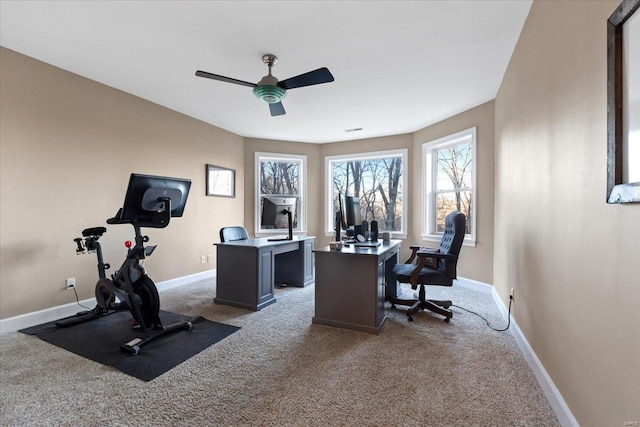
pixel 441 273
pixel 229 234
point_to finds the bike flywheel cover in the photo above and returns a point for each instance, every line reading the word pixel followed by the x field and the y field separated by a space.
pixel 104 293
pixel 148 301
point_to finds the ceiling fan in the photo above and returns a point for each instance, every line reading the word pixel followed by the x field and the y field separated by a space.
pixel 269 89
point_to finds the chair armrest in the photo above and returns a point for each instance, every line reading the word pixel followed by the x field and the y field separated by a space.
pixel 421 262
pixel 413 278
pixel 414 250
pixel 438 255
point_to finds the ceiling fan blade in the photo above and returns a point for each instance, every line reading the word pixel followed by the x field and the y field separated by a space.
pixel 315 77
pixel 223 78
pixel 277 109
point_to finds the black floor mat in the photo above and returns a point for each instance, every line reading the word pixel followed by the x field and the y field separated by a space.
pixel 100 341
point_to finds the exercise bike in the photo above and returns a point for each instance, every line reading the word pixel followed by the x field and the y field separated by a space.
pixel 148 203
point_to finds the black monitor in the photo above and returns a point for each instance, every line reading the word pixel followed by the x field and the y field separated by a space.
pixel 350 213
pixel 146 199
pixel 278 212
pixel 274 212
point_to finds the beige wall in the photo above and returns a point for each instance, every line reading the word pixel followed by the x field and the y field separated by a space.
pixel 475 263
pixel 572 258
pixel 68 145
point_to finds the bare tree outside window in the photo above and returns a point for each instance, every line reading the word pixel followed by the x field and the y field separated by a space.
pixel 454 183
pixel 279 177
pixel 449 168
pixel 378 184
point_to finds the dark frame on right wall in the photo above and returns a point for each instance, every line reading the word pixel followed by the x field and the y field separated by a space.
pixel 618 191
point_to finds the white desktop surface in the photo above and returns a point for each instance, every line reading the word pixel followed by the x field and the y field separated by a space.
pixel 259 242
pixel 353 249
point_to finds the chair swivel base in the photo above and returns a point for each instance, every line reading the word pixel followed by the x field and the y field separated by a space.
pixel 440 307
pixel 437 306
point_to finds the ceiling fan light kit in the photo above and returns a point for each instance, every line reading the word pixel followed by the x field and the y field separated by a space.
pixel 269 89
pixel 269 93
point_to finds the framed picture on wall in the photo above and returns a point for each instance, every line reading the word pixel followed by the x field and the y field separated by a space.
pixel 623 104
pixel 221 181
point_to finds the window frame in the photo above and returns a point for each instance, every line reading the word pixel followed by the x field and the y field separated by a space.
pixel 328 171
pixel 429 178
pixel 302 197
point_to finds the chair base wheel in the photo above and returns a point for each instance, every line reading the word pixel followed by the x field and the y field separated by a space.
pixel 410 319
pixel 446 320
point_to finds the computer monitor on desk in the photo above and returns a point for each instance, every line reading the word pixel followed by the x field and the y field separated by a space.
pixel 278 213
pixel 351 215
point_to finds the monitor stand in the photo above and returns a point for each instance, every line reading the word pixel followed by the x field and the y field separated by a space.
pixel 290 224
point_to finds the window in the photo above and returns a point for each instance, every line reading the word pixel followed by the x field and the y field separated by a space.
pixel 449 183
pixel 378 179
pixel 281 175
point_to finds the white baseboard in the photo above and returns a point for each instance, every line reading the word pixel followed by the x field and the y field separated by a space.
pixel 172 283
pixel 559 406
pixel 27 320
pixel 474 285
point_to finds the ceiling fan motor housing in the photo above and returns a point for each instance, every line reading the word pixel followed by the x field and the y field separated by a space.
pixel 269 91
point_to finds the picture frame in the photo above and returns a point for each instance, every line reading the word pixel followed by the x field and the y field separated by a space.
pixel 622 95
pixel 221 181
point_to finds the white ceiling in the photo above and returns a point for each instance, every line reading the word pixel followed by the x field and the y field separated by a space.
pixel 399 66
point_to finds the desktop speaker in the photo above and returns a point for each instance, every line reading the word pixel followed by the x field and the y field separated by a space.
pixel 357 231
pixel 338 220
pixel 374 230
pixel 364 231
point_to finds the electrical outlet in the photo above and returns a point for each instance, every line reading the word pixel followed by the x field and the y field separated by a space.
pixel 511 294
pixel 203 259
pixel 209 258
pixel 70 283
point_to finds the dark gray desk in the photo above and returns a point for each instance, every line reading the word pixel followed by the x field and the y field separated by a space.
pixel 350 285
pixel 247 270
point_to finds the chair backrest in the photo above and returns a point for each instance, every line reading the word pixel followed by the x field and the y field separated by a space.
pixel 229 234
pixel 455 225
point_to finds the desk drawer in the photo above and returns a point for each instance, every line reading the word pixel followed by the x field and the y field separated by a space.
pixel 288 247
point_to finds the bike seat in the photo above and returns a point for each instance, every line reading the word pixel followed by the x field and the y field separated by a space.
pixel 93 231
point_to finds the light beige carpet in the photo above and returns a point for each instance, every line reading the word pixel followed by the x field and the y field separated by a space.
pixel 281 370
